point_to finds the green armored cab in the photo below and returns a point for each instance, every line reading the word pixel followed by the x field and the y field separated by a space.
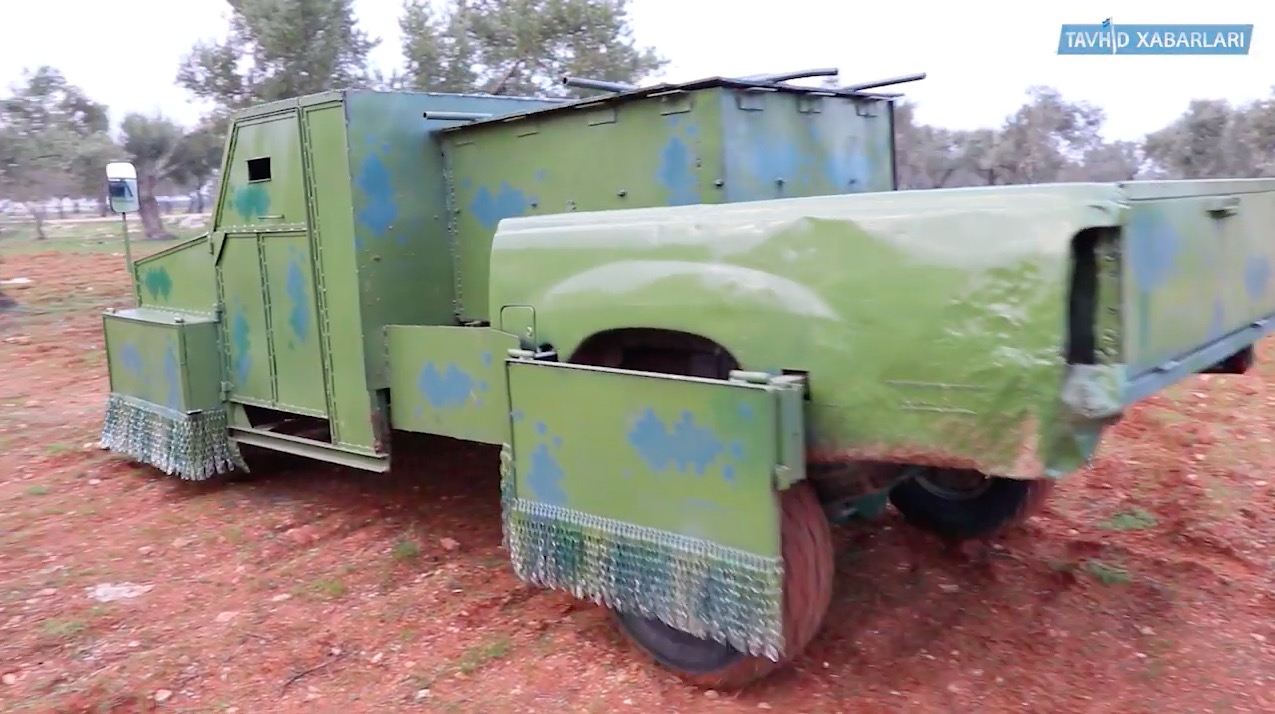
pixel 698 320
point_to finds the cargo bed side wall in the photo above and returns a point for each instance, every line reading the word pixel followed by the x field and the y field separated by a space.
pixel 893 303
pixel 783 145
pixel 632 155
pixel 1199 266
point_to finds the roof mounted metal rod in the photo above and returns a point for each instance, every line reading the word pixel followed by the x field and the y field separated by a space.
pixel 882 82
pixel 583 83
pixel 788 76
pixel 456 116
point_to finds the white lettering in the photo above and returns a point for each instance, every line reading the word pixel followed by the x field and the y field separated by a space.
pixel 1159 39
pixel 1087 40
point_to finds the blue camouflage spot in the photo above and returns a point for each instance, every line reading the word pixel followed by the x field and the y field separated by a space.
pixel 684 445
pixel 449 387
pixel 545 476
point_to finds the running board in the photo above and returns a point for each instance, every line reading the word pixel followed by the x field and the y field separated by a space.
pixel 309 448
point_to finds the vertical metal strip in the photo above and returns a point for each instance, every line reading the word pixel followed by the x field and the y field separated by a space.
pixel 453 240
pixel 314 233
pixel 259 240
pixel 223 315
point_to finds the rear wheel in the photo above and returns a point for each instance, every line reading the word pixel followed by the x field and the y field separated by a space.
pixel 962 504
pixel 808 571
pixel 805 535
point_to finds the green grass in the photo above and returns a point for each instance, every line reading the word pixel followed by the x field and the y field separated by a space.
pixel 1131 520
pixel 405 549
pixel 1106 573
pixel 474 658
pixel 93 236
pixel 329 588
pixel 61 629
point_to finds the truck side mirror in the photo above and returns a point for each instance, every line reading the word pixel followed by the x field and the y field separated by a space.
pixel 121 187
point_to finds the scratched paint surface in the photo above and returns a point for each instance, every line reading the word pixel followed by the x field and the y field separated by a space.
pixel 1194 277
pixel 931 322
pixel 153 357
pixel 680 456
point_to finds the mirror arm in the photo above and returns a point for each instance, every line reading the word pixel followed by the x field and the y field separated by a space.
pixel 128 261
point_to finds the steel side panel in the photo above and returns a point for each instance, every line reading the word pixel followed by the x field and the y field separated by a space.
pixel 268 204
pixel 153 357
pixel 245 327
pixel 179 278
pixel 294 329
pixel 449 381
pixel 656 154
pixel 783 145
pixel 689 456
pixel 1192 277
pixel 201 367
pixel 333 221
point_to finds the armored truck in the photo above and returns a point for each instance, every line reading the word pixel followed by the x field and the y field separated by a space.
pixel 699 320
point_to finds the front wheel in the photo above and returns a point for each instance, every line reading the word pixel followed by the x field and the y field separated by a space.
pixel 806 542
pixel 961 504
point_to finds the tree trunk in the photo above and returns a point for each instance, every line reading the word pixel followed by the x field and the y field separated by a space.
pixel 148 211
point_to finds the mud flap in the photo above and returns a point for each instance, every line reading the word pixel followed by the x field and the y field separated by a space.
pixel 654 494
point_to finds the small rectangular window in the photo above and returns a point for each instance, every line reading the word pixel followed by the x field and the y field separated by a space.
pixel 259 169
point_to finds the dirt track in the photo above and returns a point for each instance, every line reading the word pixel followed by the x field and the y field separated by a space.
pixel 1148 585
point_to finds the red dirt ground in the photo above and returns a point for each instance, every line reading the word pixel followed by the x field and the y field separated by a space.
pixel 1148 585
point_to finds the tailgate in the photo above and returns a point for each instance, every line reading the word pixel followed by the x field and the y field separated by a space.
pixel 1198 258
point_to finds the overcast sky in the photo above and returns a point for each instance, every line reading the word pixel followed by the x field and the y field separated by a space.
pixel 981 55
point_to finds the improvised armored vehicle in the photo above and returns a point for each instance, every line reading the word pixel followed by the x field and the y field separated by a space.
pixel 697 318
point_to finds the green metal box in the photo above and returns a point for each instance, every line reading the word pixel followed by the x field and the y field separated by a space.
pixel 166 407
pixel 713 141
pixel 164 358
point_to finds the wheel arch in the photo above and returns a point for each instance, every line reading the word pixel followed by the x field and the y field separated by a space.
pixel 658 349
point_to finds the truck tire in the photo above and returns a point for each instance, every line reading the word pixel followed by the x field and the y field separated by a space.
pixel 960 504
pixel 808 574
